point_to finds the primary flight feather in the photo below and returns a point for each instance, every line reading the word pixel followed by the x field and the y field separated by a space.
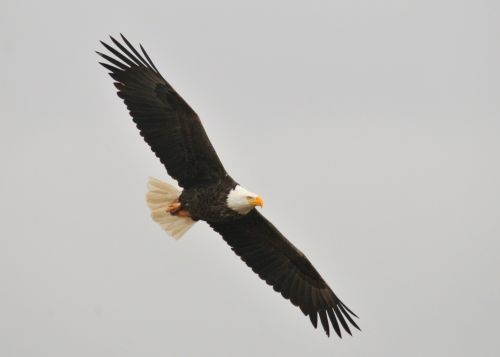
pixel 175 134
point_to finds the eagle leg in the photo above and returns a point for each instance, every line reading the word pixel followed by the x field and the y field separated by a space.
pixel 183 213
pixel 175 209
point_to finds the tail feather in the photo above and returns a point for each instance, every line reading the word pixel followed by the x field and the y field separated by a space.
pixel 160 195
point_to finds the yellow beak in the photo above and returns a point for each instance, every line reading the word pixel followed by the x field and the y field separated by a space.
pixel 257 201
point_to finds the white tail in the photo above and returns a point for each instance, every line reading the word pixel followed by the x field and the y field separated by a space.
pixel 160 195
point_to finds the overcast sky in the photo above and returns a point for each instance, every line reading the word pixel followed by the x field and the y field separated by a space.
pixel 370 128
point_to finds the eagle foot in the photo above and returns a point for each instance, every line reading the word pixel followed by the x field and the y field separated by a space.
pixel 175 209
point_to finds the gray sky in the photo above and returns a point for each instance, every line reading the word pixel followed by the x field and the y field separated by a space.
pixel 371 129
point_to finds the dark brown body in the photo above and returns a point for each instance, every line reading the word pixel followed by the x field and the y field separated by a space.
pixel 208 203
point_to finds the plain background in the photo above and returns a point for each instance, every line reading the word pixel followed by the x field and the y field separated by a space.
pixel 371 129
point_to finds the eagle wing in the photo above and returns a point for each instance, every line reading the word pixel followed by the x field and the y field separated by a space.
pixel 277 261
pixel 166 122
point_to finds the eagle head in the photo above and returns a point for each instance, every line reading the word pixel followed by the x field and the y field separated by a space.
pixel 242 200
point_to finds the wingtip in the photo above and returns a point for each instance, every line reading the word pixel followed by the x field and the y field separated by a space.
pixel 350 311
pixel 347 312
pixel 314 319
pixel 112 70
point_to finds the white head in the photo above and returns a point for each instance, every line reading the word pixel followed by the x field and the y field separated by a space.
pixel 242 201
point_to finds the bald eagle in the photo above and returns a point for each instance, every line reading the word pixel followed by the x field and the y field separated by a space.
pixel 175 134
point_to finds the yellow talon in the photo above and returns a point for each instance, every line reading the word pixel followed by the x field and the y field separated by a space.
pixel 174 207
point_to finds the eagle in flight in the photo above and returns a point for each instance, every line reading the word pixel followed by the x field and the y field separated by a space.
pixel 175 134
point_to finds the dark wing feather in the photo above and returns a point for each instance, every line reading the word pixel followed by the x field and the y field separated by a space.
pixel 269 254
pixel 166 122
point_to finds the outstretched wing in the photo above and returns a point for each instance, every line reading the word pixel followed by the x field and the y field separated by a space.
pixel 166 122
pixel 269 254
